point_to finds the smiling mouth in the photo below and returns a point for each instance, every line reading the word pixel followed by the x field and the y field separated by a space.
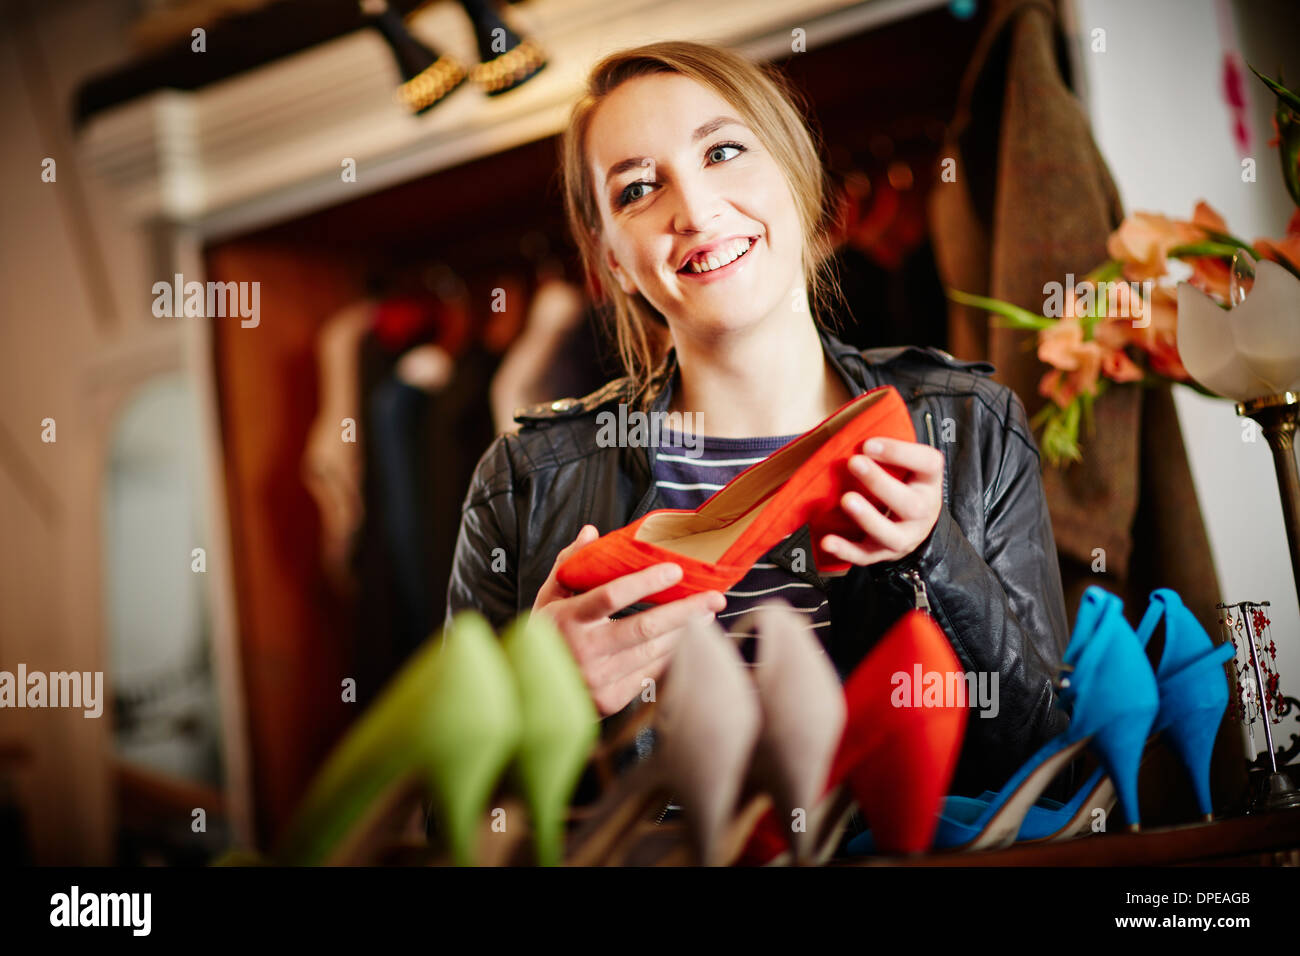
pixel 712 264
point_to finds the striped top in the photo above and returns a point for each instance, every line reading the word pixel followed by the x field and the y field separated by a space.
pixel 686 477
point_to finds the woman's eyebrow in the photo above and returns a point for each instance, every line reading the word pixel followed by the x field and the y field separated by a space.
pixel 713 125
pixel 703 130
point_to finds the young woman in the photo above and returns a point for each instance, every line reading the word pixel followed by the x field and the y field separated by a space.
pixel 696 195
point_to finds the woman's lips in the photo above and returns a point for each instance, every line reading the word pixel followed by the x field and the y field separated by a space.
pixel 723 272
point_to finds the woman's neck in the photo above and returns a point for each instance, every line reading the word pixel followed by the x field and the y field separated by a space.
pixel 773 379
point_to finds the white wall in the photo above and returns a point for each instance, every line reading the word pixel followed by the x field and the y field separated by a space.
pixel 1164 127
pixel 57 320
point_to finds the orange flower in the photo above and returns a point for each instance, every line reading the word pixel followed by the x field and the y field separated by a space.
pixel 1118 367
pixel 1063 385
pixel 1143 240
pixel 1114 333
pixel 1211 275
pixel 1205 217
pixel 1279 249
pixel 1053 386
pixel 1076 364
pixel 1160 338
pixel 1059 345
pixel 1115 300
pixel 1286 248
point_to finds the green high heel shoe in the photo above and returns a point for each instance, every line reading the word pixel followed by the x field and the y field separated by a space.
pixel 472 728
pixel 449 720
pixel 559 728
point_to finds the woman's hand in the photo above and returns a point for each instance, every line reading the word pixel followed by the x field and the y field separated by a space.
pixel 616 656
pixel 912 507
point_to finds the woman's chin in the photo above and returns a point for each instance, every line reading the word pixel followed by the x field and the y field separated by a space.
pixel 717 323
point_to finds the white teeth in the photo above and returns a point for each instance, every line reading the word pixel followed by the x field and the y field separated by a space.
pixel 721 257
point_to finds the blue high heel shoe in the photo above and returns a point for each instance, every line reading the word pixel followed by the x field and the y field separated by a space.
pixel 1109 687
pixel 1193 697
pixel 1046 819
pixel 1193 694
pixel 1193 687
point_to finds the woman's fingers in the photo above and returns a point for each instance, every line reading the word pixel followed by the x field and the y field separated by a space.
pixel 615 696
pixel 586 534
pixel 890 534
pixel 641 660
pixel 904 501
pixel 602 602
pixel 639 631
pixel 925 461
pixel 853 552
pixel 552 589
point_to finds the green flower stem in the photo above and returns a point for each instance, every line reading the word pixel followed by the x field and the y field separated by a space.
pixel 1230 239
pixel 1197 250
pixel 1013 315
pixel 1108 270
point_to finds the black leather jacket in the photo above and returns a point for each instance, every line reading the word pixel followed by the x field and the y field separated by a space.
pixel 989 567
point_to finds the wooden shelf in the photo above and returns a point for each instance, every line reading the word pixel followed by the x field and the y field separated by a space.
pixel 266 145
pixel 1203 843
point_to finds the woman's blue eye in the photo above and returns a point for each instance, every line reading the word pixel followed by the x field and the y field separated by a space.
pixel 724 146
pixel 624 198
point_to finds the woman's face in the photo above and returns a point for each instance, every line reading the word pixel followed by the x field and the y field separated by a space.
pixel 680 179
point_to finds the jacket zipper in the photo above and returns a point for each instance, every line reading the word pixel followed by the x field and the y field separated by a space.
pixel 921 600
pixel 918 589
pixel 668 805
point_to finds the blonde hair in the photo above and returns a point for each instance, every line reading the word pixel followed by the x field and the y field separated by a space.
pixel 767 104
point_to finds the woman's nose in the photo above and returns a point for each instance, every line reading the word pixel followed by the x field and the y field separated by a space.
pixel 697 203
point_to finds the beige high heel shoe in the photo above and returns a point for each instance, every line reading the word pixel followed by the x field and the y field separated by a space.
pixel 801 712
pixel 803 719
pixel 707 723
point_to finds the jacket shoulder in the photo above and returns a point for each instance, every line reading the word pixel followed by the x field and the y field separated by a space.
pixel 551 434
pixel 920 358
pixel 611 393
pixel 919 372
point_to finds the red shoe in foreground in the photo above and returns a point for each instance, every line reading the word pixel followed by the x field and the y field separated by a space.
pixel 899 750
pixel 717 543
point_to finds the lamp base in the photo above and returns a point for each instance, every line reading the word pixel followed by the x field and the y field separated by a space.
pixel 1276 415
pixel 1281 793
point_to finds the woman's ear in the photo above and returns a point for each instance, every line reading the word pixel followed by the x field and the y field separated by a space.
pixel 620 276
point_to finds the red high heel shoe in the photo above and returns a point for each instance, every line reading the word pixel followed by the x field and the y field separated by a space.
pixel 895 759
pixel 718 542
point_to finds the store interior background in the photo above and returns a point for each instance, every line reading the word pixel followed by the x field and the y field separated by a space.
pixel 97 528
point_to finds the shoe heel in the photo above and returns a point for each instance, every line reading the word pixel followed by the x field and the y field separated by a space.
pixel 901 786
pixel 803 717
pixel 825 562
pixel 560 727
pixel 378 752
pixel 471 729
pixel 707 724
pixel 1119 745
pixel 1193 688
pixel 901 783
pixel 829 517
pixel 712 722
pixel 1192 738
